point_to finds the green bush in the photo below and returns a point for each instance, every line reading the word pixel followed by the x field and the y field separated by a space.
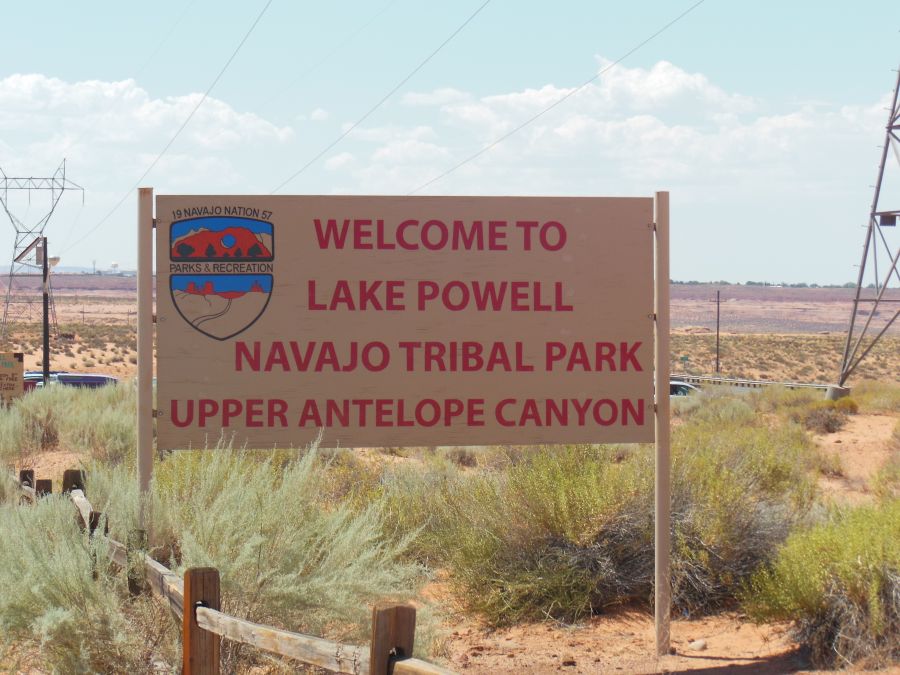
pixel 98 422
pixel 50 602
pixel 839 583
pixel 286 557
pixel 877 396
pixel 567 531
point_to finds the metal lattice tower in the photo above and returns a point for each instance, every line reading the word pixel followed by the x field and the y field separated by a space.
pixel 23 301
pixel 862 336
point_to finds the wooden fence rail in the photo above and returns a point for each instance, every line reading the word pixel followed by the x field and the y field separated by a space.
pixel 204 625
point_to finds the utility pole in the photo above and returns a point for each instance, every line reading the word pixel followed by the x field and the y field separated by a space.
pixel 20 297
pixel 718 305
pixel 877 245
pixel 46 268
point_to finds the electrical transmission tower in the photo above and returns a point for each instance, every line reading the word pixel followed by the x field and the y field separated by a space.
pixel 23 298
pixel 867 322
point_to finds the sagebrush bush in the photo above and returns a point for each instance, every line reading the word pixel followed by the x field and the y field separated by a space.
pixel 285 556
pixel 50 602
pixel 566 531
pixel 98 422
pixel 839 583
pixel 878 396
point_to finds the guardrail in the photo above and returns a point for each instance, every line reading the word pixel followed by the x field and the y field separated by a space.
pixel 744 383
pixel 204 625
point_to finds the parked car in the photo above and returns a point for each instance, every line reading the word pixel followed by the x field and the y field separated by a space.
pixel 677 388
pixel 83 380
pixel 34 378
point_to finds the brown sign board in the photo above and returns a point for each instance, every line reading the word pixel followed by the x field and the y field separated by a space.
pixel 12 372
pixel 392 321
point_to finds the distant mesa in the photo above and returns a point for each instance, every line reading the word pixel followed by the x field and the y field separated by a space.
pixel 230 243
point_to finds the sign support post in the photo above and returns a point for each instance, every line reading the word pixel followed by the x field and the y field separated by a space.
pixel 145 348
pixel 45 265
pixel 663 488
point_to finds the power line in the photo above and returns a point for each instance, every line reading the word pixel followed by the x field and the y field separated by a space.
pixel 165 39
pixel 383 99
pixel 281 92
pixel 558 101
pixel 146 63
pixel 178 132
pixel 337 48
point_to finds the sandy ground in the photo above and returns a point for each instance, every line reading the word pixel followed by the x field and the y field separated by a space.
pixel 623 642
pixel 862 448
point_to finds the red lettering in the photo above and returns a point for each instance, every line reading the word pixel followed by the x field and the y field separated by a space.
pixel 254 413
pixel 207 408
pixel 331 233
pixel 309 414
pixel 361 232
pixel 231 408
pixel 526 226
pixel 428 290
pixel 546 237
pixel 189 413
pixel 499 414
pixel 242 353
pixel 627 356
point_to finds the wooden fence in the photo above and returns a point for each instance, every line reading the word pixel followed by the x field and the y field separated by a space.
pixel 204 626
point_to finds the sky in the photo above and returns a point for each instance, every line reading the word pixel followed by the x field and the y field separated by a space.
pixel 763 120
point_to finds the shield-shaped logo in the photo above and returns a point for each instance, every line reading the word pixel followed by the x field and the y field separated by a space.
pixel 230 286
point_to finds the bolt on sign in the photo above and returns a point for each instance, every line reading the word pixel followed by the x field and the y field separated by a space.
pixel 12 372
pixel 404 320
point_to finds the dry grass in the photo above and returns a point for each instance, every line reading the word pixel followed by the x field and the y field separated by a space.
pixel 789 358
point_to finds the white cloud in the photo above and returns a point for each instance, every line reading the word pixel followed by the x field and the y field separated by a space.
pixel 340 161
pixel 441 96
pixel 87 119
pixel 764 179
pixel 319 115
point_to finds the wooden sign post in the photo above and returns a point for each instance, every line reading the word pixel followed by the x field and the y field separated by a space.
pixel 392 321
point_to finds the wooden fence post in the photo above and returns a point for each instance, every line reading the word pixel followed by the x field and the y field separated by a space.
pixel 93 524
pixel 73 479
pixel 200 648
pixel 135 545
pixel 393 634
pixel 43 487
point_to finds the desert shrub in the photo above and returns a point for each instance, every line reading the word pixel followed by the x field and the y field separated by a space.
pixel 839 583
pixel 568 530
pixel 781 399
pixel 716 407
pixel 98 422
pixel 886 482
pixel 50 602
pixel 417 500
pixel 847 405
pixel 101 422
pixel 8 490
pixel 462 457
pixel 286 558
pixel 878 396
pixel 823 420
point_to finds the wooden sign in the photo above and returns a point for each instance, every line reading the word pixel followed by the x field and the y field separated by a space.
pixel 12 372
pixel 404 320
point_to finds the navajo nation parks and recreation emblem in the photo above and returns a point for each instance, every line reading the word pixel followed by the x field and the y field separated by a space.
pixel 221 280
